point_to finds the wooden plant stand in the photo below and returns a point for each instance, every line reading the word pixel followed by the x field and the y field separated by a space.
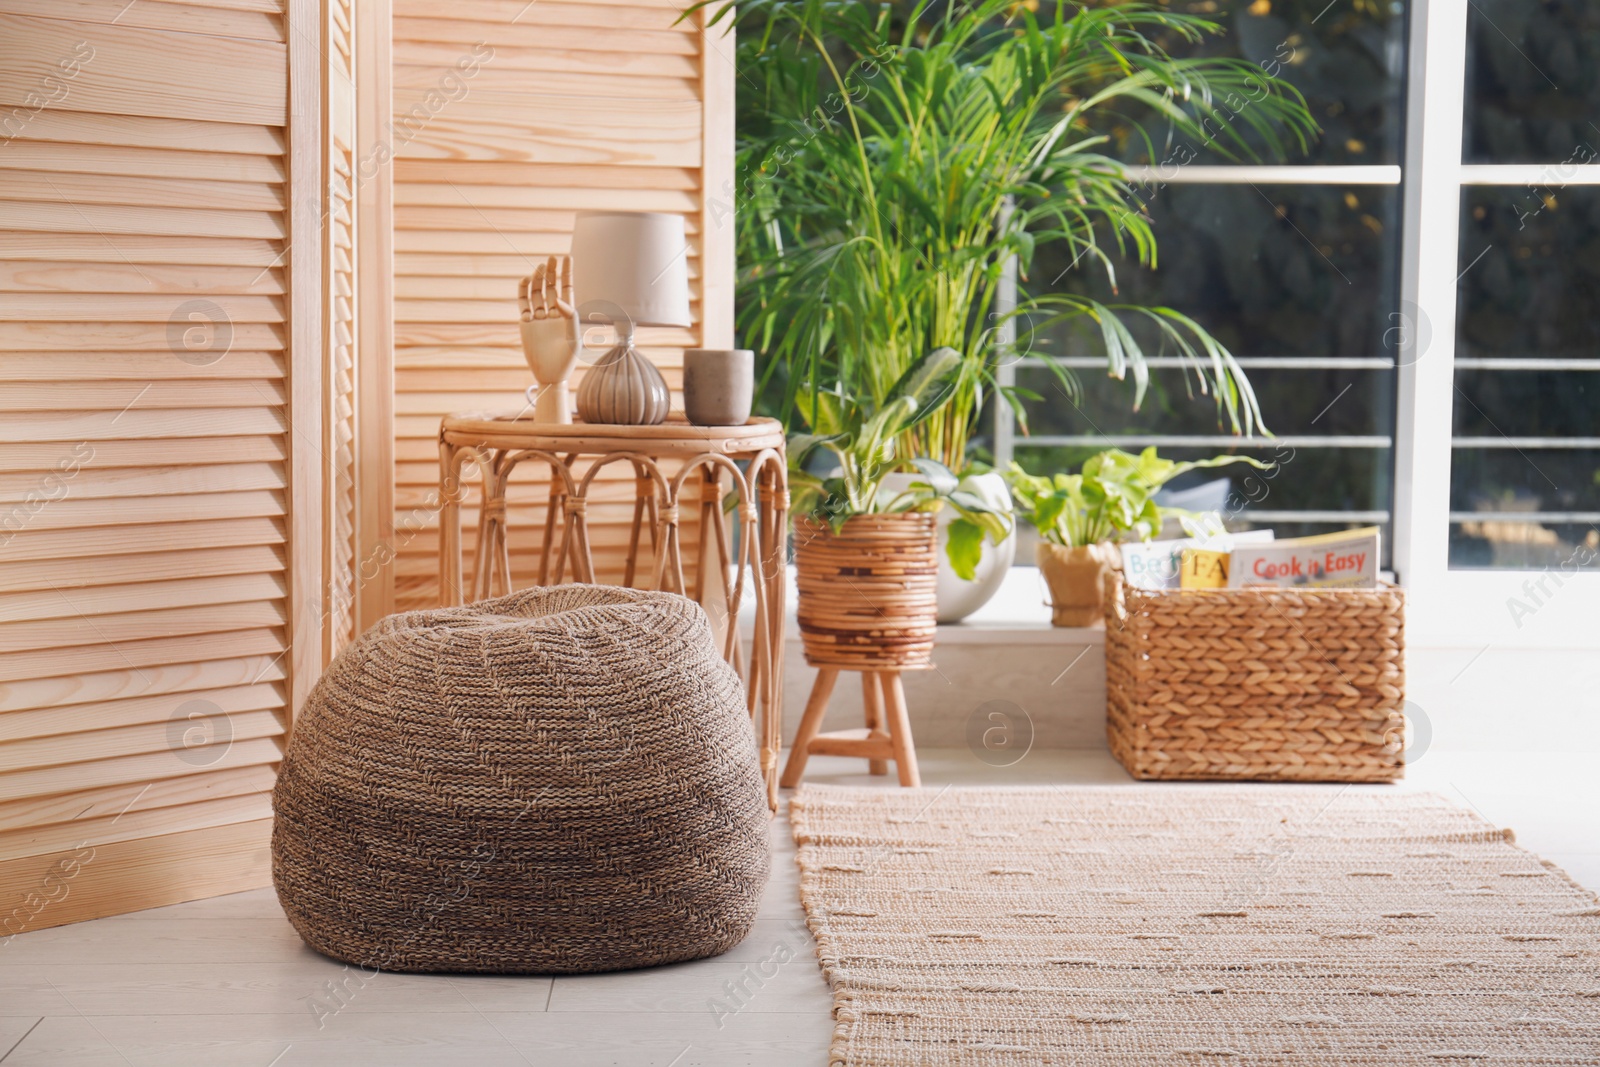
pixel 867 604
pixel 886 737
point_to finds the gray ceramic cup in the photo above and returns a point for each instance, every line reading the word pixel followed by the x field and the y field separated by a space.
pixel 718 385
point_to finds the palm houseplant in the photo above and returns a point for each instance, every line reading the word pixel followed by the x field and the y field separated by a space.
pixel 897 161
pixel 1081 517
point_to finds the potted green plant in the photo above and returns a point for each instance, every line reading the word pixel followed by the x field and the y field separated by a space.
pixel 895 158
pixel 1081 517
pixel 865 557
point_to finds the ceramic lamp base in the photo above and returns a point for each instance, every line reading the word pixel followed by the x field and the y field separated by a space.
pixel 624 389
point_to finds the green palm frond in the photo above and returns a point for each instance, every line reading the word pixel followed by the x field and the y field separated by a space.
pixel 892 159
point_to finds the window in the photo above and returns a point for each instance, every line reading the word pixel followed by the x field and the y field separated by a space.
pixel 1525 453
pixel 1415 302
pixel 1499 265
pixel 1294 266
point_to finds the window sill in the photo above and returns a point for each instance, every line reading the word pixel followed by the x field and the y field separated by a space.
pixel 1017 615
pixel 985 632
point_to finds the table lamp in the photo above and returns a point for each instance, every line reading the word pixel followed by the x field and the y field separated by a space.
pixel 629 269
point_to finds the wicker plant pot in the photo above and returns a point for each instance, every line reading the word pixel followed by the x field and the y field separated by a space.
pixel 868 597
pixel 1076 578
pixel 1260 684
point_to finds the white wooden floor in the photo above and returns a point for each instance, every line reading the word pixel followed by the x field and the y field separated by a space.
pixel 227 981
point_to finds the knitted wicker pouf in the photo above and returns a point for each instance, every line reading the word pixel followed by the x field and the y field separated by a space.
pixel 559 781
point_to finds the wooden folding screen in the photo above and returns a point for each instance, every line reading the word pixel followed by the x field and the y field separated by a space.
pixel 239 284
pixel 508 118
pixel 163 441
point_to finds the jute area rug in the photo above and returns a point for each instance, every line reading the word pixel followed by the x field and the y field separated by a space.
pixel 1225 926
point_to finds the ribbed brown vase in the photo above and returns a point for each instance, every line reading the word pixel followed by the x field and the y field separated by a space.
pixel 867 593
pixel 623 389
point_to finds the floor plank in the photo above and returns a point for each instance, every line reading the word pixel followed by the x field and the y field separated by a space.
pixel 784 979
pixel 13 1030
pixel 493 992
pixel 593 1039
pixel 255 904
pixel 24 995
pixel 315 986
pixel 173 940
pixel 260 1040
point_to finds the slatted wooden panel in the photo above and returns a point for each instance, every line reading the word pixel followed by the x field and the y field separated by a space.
pixel 159 384
pixel 374 206
pixel 339 297
pixel 510 117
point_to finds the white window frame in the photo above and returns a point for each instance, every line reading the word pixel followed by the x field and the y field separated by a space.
pixel 1458 608
pixel 1005 435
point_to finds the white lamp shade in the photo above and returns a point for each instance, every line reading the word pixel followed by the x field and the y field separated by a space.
pixel 635 261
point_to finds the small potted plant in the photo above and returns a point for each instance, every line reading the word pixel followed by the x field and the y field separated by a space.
pixel 1080 518
pixel 866 557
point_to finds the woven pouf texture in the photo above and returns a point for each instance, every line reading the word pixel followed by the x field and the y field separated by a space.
pixel 559 781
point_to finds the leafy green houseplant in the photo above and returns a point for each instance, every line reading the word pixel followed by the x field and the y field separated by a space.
pixel 895 157
pixel 895 160
pixel 863 438
pixel 1081 516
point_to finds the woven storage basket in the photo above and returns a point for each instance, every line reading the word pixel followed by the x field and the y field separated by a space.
pixel 1262 684
pixel 868 593
pixel 558 781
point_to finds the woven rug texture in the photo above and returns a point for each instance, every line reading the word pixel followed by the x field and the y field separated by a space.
pixel 1227 926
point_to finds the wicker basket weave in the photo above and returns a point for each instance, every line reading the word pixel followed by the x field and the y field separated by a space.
pixel 868 593
pixel 1263 684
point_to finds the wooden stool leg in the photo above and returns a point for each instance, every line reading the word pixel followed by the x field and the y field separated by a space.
pixel 552 515
pixel 450 492
pixel 872 701
pixel 810 726
pixel 503 537
pixel 905 752
pixel 499 539
pixel 491 548
pixel 478 554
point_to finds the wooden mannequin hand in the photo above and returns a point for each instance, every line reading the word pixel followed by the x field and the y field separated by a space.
pixel 550 336
pixel 546 296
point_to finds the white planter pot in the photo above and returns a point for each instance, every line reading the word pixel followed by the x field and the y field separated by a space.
pixel 958 597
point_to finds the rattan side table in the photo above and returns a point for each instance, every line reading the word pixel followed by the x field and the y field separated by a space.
pixel 709 457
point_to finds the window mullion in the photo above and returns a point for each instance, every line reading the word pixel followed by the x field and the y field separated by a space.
pixel 1434 109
